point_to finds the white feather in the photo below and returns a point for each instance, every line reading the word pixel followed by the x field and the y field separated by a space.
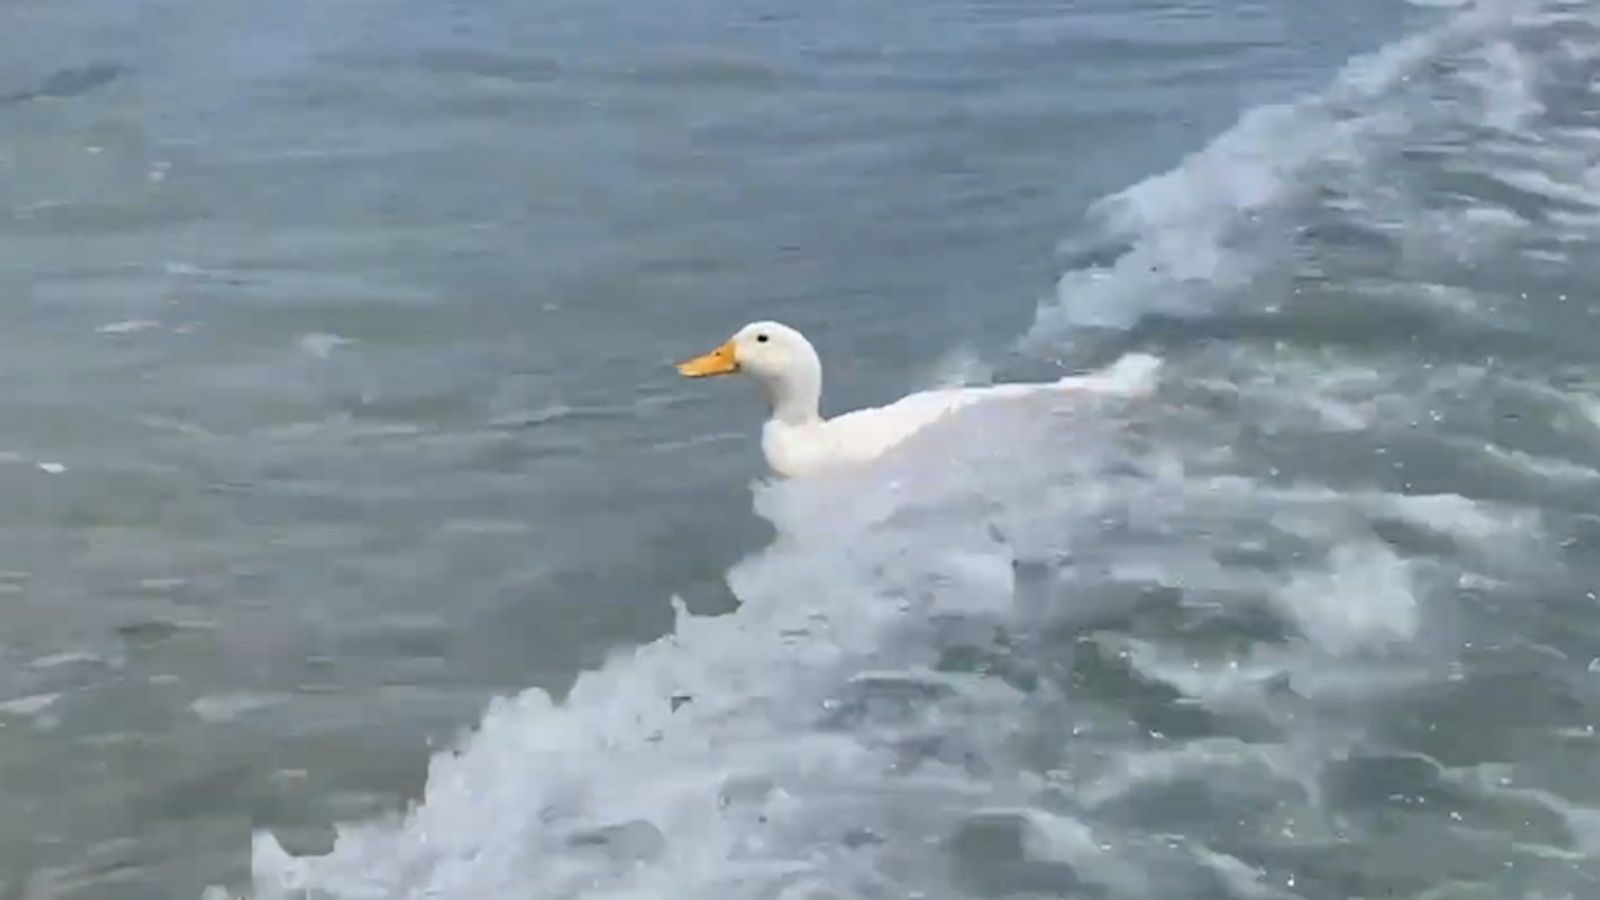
pixel 797 440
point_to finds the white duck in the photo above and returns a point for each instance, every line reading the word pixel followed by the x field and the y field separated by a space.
pixel 797 440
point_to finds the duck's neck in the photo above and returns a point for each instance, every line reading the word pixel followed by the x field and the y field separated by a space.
pixel 796 398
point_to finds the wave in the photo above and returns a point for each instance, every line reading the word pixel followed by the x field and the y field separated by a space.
pixel 1221 229
pixel 1131 649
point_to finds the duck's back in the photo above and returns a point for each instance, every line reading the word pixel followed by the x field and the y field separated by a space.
pixel 857 436
pixel 867 433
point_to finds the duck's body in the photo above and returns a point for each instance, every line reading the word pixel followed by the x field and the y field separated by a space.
pixel 855 437
pixel 797 440
pixel 797 448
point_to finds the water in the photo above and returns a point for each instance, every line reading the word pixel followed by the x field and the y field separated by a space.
pixel 337 409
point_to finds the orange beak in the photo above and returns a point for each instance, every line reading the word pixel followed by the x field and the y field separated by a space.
pixel 722 361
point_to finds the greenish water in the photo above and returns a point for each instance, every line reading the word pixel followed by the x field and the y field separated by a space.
pixel 335 344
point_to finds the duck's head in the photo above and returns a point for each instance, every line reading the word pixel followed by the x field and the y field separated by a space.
pixel 776 355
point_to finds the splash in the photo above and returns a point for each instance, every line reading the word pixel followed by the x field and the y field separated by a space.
pixel 1198 238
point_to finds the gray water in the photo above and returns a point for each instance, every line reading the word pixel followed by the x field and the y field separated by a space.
pixel 334 338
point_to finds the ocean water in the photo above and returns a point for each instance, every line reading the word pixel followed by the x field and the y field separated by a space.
pixel 361 542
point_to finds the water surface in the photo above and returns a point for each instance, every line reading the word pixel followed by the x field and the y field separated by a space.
pixel 335 342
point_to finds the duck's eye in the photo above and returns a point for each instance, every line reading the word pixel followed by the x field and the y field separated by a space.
pixel 761 339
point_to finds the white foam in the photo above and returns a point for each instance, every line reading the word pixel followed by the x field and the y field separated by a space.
pixel 229 707
pixel 1363 598
pixel 1243 880
pixel 1184 227
pixel 960 367
pixel 1218 684
pixel 128 326
pixel 1588 406
pixel 1487 527
pixel 1541 467
pixel 321 345
pixel 29 706
pixel 1194 759
pixel 1198 236
pixel 1508 85
pixel 65 658
pixel 502 816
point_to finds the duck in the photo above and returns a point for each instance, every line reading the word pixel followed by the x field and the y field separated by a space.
pixel 797 440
